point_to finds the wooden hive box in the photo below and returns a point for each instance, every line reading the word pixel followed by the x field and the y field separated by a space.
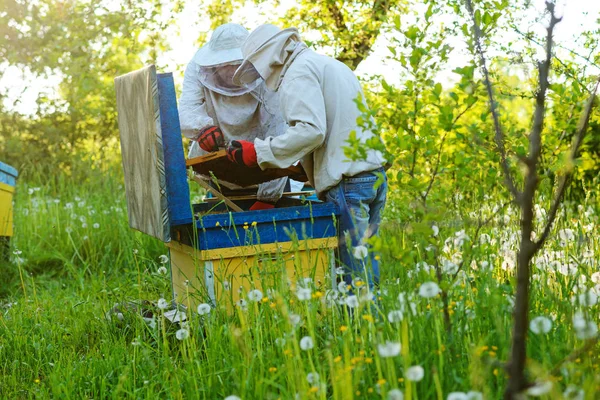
pixel 217 256
pixel 8 176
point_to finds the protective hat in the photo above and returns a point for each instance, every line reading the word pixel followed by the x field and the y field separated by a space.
pixel 247 73
pixel 223 47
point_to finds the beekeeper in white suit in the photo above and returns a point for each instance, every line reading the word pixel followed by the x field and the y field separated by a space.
pixel 213 111
pixel 317 99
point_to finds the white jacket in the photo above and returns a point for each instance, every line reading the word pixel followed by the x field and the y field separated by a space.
pixel 246 117
pixel 316 95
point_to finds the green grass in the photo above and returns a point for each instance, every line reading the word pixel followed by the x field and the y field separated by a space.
pixel 56 342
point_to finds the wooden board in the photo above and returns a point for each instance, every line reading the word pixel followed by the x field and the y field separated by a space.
pixel 218 164
pixel 142 152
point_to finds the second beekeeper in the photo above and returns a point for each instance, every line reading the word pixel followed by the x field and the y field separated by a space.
pixel 213 111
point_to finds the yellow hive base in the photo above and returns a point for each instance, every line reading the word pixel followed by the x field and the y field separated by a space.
pixel 6 209
pixel 224 276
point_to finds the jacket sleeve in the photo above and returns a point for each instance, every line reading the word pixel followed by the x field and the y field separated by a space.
pixel 303 108
pixel 192 104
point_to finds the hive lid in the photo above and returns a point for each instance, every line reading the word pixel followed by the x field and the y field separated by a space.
pixel 218 164
pixel 8 174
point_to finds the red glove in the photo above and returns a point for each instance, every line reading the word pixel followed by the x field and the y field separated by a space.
pixel 261 205
pixel 242 152
pixel 211 139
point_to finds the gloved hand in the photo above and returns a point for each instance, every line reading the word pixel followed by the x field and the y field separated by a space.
pixel 261 205
pixel 242 152
pixel 211 138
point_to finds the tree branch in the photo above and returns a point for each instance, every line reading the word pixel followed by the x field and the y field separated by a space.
pixel 499 136
pixel 578 139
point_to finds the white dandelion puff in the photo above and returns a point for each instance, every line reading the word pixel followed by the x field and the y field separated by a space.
pixel 162 304
pixel 306 343
pixel 255 295
pixel 435 230
pixel 395 394
pixel 429 290
pixel 574 393
pixel 457 396
pixel 182 334
pixel 360 252
pixel 303 293
pixel 96 225
pixel 163 258
pixel 415 373
pixel 389 349
pixel 352 301
pixel 312 378
pixel 395 316
pixel 295 319
pixel 539 389
pixel 233 397
pixel 203 309
pixel 162 270
pixel 540 325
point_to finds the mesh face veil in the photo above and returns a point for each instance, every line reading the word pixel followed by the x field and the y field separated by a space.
pixel 218 78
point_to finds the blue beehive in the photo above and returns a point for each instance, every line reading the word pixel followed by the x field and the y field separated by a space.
pixel 216 255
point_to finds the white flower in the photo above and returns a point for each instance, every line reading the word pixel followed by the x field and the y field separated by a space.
pixel 360 252
pixel 96 225
pixel 415 373
pixel 584 329
pixel 435 230
pixel 182 334
pixel 306 343
pixel 17 252
pixel 162 304
pixel 162 270
pixel 595 277
pixel 457 396
pixel 448 267
pixel 303 293
pixel 389 349
pixel 484 238
pixel 340 271
pixel 461 238
pixel 352 301
pixel 203 309
pixel 242 303
pixel 232 397
pixel 566 235
pixel 163 258
pixel 84 225
pixel 539 389
pixel 312 378
pixel 573 393
pixel 429 290
pixel 294 319
pixel 255 295
pixel 588 299
pixel 395 394
pixel 540 325
pixel 395 316
pixel 472 395
pixel 342 287
pixel 280 342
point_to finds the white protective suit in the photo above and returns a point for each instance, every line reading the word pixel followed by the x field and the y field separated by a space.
pixel 241 114
pixel 316 95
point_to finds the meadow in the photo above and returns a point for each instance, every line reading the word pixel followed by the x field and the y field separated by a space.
pixel 438 328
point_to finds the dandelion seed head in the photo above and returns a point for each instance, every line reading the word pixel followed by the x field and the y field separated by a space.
pixel 162 304
pixel 303 293
pixel 389 349
pixel 162 270
pixel 255 295
pixel 415 373
pixel 360 252
pixel 429 290
pixel 306 343
pixel 540 325
pixel 203 309
pixel 395 394
pixel 539 389
pixel 182 334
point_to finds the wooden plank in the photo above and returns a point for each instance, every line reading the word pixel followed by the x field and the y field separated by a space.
pixel 218 164
pixel 6 209
pixel 253 196
pixel 142 152
pixel 178 190
pixel 217 194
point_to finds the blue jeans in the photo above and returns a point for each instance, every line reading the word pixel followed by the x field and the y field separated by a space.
pixel 360 205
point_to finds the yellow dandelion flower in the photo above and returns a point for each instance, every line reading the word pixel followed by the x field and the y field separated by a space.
pixel 314 389
pixel 273 369
pixel 265 299
pixel 381 382
pixel 272 305
pixel 400 380
pixel 358 393
pixel 254 223
pixel 337 359
pixel 378 258
pixel 343 328
pixel 367 317
pixel 492 354
pixel 218 223
pixel 317 294
pixel 37 380
pixel 362 352
pixel 369 360
pixel 495 372
pixel 370 390
pixel 287 352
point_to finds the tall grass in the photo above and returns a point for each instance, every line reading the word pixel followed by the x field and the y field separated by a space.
pixel 74 257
